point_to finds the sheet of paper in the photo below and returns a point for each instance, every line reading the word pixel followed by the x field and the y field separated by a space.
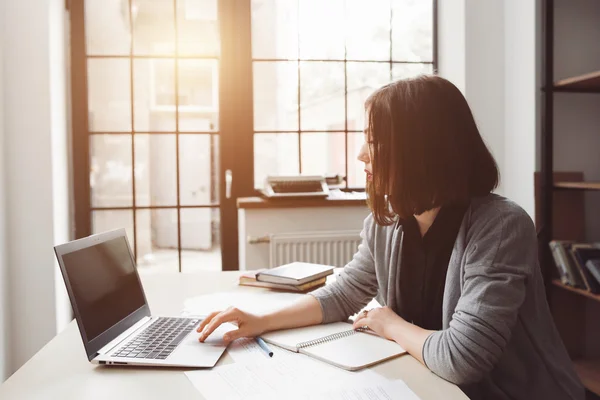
pixel 392 390
pixel 246 350
pixel 286 375
pixel 248 300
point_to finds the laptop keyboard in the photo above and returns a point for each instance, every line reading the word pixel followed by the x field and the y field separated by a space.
pixel 159 339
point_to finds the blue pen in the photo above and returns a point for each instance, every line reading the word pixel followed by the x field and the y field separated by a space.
pixel 264 346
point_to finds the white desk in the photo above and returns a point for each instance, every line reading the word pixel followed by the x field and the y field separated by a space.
pixel 61 370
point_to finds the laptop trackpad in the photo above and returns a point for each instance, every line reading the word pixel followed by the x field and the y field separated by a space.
pixel 192 352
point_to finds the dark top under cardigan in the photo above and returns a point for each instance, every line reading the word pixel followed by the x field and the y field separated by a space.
pixel 425 263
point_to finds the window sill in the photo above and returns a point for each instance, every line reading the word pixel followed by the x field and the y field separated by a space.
pixel 262 203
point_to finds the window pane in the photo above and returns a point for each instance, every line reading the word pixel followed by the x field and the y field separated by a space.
pixel 110 171
pixel 401 71
pixel 157 240
pixel 356 169
pixel 275 154
pixel 198 95
pixel 200 248
pixel 275 29
pixel 322 95
pixel 276 96
pixel 322 29
pixel 103 221
pixel 368 29
pixel 154 95
pixel 412 30
pixel 363 79
pixel 323 153
pixel 107 27
pixel 198 170
pixel 198 27
pixel 155 170
pixel 109 95
pixel 153 27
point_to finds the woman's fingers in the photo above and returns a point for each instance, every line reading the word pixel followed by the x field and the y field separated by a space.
pixel 206 320
pixel 225 316
pixel 359 317
pixel 360 322
pixel 236 334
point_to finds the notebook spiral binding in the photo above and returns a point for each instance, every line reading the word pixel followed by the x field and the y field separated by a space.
pixel 329 338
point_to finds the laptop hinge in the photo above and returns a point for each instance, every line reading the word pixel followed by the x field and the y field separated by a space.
pixel 123 336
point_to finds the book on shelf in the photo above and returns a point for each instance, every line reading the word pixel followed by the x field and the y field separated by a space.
pixel 571 258
pixel 249 279
pixel 583 252
pixel 560 260
pixel 594 267
pixel 565 263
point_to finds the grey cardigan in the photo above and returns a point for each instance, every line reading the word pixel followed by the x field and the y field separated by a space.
pixel 498 339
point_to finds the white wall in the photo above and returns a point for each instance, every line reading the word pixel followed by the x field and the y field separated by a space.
pixel 60 150
pixel 487 48
pixel 484 73
pixel 451 41
pixel 36 169
pixel 521 91
pixel 4 328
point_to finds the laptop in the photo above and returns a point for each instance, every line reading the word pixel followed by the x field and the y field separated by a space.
pixel 112 313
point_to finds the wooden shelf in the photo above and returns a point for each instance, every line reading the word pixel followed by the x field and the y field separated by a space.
pixel 577 185
pixel 259 202
pixel 557 282
pixel 584 83
pixel 589 373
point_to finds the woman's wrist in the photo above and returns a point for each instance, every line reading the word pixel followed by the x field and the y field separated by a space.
pixel 411 337
pixel 395 329
pixel 305 311
pixel 267 321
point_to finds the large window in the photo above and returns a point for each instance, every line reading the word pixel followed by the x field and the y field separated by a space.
pixel 314 64
pixel 172 97
pixel 151 134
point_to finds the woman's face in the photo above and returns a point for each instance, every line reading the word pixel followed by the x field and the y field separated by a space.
pixel 365 154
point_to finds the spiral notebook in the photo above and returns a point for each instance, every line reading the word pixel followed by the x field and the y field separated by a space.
pixel 336 344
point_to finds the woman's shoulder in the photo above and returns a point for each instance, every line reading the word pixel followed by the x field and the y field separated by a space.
pixel 487 215
pixel 495 205
pixel 497 214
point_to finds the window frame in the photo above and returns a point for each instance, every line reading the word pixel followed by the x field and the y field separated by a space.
pixel 236 122
pixel 346 131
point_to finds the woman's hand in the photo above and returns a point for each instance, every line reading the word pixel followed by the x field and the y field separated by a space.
pixel 391 326
pixel 381 320
pixel 249 325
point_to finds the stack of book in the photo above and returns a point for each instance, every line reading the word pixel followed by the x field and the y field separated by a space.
pixel 578 264
pixel 295 277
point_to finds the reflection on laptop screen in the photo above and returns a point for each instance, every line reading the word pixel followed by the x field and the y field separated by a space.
pixel 105 285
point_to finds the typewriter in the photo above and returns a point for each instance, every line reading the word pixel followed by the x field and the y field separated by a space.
pixel 299 186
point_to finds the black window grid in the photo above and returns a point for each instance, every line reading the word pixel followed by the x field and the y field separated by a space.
pixel 176 57
pixel 391 61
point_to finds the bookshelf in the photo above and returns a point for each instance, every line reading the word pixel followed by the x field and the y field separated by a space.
pixel 576 312
pixel 581 292
pixel 589 82
pixel 577 186
pixel 588 371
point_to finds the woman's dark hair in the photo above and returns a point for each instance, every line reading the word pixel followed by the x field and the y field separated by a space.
pixel 426 149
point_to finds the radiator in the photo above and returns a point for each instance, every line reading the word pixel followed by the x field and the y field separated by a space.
pixel 331 248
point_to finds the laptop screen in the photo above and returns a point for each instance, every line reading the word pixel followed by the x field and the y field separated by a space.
pixel 104 284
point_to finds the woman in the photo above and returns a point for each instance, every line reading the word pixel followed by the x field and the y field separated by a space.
pixel 455 266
